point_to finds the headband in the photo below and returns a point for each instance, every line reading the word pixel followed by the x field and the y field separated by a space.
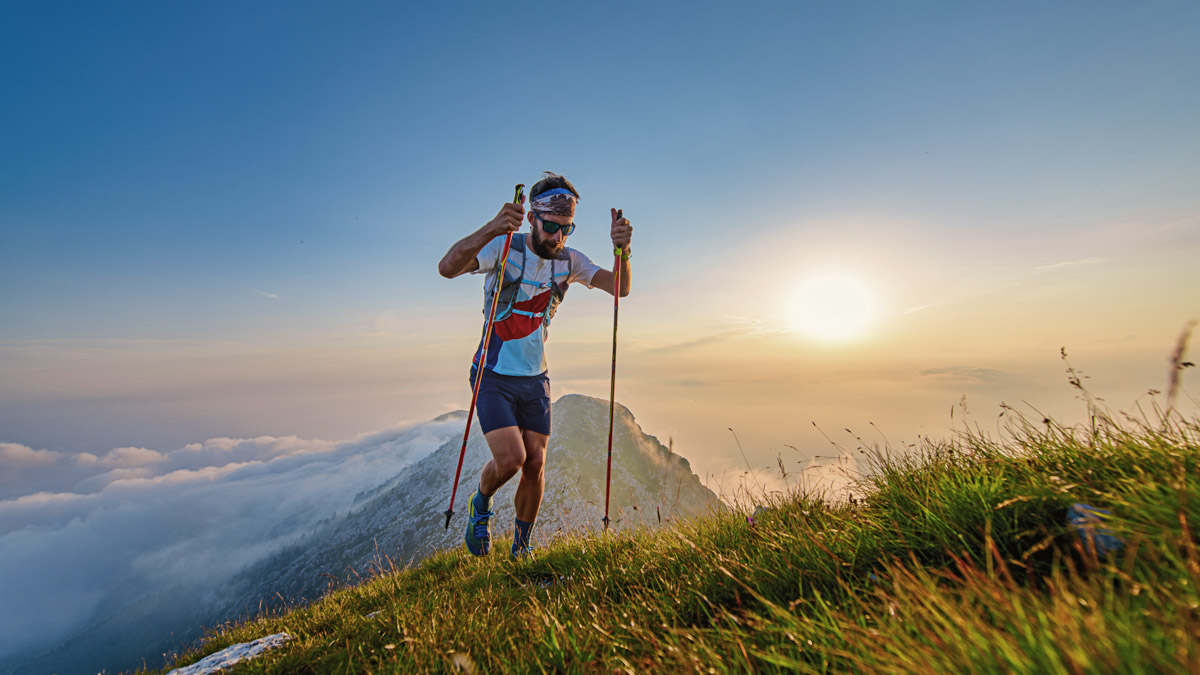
pixel 556 202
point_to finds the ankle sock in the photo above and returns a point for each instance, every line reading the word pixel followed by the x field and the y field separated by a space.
pixel 521 535
pixel 483 503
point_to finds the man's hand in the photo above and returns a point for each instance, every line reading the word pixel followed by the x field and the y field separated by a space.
pixel 508 220
pixel 460 259
pixel 622 231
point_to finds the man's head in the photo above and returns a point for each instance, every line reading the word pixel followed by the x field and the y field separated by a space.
pixel 552 200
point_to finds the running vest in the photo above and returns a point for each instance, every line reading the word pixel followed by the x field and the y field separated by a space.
pixel 513 281
pixel 524 309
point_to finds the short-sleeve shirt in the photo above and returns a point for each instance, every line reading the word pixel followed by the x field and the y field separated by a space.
pixel 518 341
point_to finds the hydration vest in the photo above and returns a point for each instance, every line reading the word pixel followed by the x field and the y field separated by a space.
pixel 514 279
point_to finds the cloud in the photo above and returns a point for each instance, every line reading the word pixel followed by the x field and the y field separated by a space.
pixel 16 455
pixel 1069 263
pixel 83 535
pixel 17 461
pixel 968 374
pixel 704 340
pixel 269 296
pixel 918 308
pixel 131 457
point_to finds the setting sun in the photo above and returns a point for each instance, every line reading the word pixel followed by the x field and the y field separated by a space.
pixel 831 308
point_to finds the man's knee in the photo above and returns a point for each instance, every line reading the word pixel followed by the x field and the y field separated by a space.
pixel 511 459
pixel 534 466
pixel 508 450
pixel 535 458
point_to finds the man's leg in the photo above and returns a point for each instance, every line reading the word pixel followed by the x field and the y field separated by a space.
pixel 534 418
pixel 508 456
pixel 533 476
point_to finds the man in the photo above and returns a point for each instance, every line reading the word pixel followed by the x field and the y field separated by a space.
pixel 514 396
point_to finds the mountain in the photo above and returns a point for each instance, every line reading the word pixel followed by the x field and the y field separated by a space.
pixel 403 520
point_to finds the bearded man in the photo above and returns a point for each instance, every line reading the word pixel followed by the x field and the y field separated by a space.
pixel 514 395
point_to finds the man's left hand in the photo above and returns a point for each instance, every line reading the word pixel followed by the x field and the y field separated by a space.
pixel 622 231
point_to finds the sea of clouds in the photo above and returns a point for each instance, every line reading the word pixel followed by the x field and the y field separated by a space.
pixel 81 534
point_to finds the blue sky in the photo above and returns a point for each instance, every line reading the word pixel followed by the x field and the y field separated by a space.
pixel 220 224
pixel 249 201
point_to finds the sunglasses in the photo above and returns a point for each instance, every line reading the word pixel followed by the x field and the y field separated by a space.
pixel 550 227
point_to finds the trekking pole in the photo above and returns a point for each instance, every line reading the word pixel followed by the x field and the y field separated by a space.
pixel 518 198
pixel 612 389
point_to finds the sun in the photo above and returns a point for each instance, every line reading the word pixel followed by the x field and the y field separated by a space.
pixel 831 308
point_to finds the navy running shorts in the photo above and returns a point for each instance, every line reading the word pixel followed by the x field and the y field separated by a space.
pixel 513 401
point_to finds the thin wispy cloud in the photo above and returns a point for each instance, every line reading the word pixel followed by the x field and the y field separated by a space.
pixel 743 321
pixel 714 338
pixel 918 308
pixel 269 296
pixel 968 374
pixel 1069 263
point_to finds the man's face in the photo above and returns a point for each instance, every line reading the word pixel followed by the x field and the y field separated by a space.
pixel 548 245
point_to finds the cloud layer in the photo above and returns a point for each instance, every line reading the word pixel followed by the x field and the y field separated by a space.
pixel 81 535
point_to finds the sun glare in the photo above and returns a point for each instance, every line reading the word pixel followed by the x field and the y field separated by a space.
pixel 831 308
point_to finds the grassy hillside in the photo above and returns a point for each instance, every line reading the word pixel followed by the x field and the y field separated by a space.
pixel 956 557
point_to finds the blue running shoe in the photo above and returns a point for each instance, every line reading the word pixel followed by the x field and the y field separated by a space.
pixel 522 530
pixel 521 553
pixel 479 529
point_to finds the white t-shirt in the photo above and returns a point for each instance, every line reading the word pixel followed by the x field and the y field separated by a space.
pixel 518 341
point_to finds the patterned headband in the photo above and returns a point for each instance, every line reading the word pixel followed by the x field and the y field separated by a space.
pixel 556 202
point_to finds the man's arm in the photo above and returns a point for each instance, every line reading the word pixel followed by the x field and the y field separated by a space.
pixel 603 279
pixel 622 234
pixel 460 259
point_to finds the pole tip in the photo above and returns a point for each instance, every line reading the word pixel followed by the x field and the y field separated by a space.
pixel 449 512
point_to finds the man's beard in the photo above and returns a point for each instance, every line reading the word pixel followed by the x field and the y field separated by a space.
pixel 541 249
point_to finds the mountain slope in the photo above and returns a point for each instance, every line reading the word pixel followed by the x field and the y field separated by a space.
pixel 958 557
pixel 403 520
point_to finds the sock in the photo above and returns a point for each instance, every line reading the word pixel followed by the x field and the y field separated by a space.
pixel 521 535
pixel 483 503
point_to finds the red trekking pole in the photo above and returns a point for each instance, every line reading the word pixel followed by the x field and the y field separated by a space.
pixel 612 389
pixel 518 198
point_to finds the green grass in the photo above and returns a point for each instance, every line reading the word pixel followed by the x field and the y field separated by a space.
pixel 955 558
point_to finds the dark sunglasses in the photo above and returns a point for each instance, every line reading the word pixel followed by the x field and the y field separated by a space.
pixel 550 227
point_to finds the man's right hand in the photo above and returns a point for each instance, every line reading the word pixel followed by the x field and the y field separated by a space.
pixel 508 220
pixel 460 259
